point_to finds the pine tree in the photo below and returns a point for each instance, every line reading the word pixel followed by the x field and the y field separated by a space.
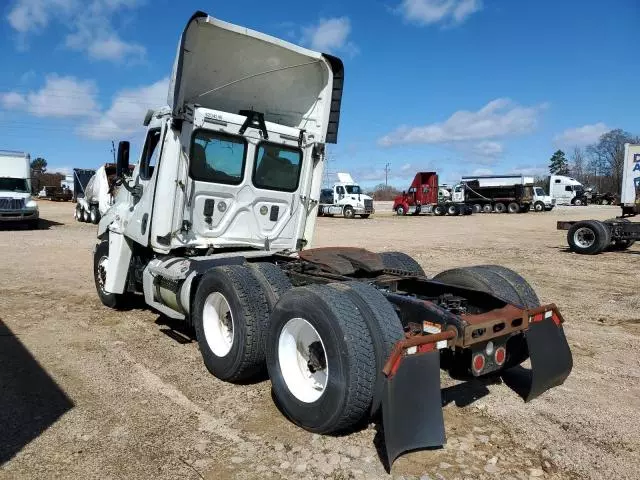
pixel 559 164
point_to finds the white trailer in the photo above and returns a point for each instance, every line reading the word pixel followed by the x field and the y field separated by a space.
pixel 217 231
pixel 345 198
pixel 16 203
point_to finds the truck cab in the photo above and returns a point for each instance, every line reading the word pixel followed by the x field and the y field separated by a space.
pixel 17 206
pixel 566 190
pixel 345 198
pixel 542 201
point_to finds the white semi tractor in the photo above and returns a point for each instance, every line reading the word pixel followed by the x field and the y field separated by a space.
pixel 214 227
pixel 345 198
pixel 566 190
pixel 17 206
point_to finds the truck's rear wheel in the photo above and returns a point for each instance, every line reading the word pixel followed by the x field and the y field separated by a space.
pixel 477 208
pixel 230 316
pixel 538 206
pixel 513 207
pixel 85 216
pixel 500 207
pixel 505 284
pixel 453 210
pixel 348 212
pixel 401 261
pixel 94 215
pixel 439 210
pixel 273 280
pixel 78 213
pixel 320 359
pixel 118 301
pixel 588 237
pixel 487 208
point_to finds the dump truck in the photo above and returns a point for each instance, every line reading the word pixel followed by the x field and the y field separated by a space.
pixel 590 237
pixel 215 227
pixel 345 198
pixel 540 201
pixel 81 177
pixel 425 195
pixel 97 195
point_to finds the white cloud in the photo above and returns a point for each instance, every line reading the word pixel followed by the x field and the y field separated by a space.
pixel 428 12
pixel 581 136
pixel 328 35
pixel 90 24
pixel 498 118
pixel 532 170
pixel 488 148
pixel 60 97
pixel 127 111
pixel 478 172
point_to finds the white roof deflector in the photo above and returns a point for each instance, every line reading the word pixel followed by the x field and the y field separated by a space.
pixel 230 68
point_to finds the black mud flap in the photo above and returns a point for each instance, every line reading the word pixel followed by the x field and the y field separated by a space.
pixel 551 360
pixel 412 406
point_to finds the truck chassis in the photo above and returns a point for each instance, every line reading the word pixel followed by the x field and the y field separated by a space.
pixel 590 237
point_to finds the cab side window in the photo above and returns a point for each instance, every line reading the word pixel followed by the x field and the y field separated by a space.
pixel 340 190
pixel 568 188
pixel 150 154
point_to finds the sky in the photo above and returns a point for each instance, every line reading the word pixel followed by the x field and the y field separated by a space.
pixel 461 87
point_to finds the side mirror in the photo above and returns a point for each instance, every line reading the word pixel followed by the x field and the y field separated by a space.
pixel 122 164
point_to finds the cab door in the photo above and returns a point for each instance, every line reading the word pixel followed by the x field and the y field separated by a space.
pixel 145 177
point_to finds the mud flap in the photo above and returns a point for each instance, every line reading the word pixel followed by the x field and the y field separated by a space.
pixel 551 360
pixel 412 406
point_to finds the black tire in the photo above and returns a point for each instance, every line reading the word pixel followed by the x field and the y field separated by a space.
pixel 384 327
pixel 348 212
pixel 588 237
pixel 453 210
pixel 366 215
pixel 513 207
pixel 578 202
pixel 401 261
pixel 94 215
pixel 273 280
pixel 500 207
pixel 117 301
pixel 505 284
pixel 487 208
pixel 78 213
pixel 439 210
pixel 538 206
pixel 621 244
pixel 249 311
pixel 477 208
pixel 400 210
pixel 348 350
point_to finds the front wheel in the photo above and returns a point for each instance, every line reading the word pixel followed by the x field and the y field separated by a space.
pixel 400 210
pixel 117 301
pixel 348 212
pixel 538 207
pixel 578 202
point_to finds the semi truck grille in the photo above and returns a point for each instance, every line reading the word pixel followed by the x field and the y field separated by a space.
pixel 368 205
pixel 11 203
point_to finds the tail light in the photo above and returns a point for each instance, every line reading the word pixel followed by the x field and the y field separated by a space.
pixel 478 362
pixel 500 355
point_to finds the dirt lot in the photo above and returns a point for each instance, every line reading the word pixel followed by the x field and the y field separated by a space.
pixel 86 392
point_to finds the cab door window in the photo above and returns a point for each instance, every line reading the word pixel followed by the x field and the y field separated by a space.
pixel 150 154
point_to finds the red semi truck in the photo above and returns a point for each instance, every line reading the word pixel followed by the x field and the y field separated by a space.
pixel 423 197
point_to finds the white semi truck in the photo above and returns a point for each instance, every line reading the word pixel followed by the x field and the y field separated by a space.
pixel 16 203
pixel 566 190
pixel 590 237
pixel 541 201
pixel 214 227
pixel 345 198
pixel 97 195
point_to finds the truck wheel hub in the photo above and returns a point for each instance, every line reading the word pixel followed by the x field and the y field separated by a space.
pixel 217 322
pixel 102 272
pixel 584 237
pixel 303 360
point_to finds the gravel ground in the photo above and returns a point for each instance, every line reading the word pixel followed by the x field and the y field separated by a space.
pixel 86 392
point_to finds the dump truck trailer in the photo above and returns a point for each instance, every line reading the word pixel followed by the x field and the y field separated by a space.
pixel 591 237
pixel 218 234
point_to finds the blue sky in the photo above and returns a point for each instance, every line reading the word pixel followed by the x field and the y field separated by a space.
pixel 457 86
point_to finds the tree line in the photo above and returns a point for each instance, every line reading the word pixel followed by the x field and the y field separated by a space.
pixel 599 165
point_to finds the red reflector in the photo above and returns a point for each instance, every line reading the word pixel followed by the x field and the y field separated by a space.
pixel 478 362
pixel 500 355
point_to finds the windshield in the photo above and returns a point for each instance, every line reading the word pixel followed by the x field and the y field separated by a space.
pixel 578 188
pixel 539 192
pixel 14 185
pixel 353 189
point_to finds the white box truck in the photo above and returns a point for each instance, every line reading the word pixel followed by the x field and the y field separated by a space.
pixel 592 236
pixel 16 203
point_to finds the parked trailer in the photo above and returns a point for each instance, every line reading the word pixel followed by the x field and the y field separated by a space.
pixel 219 235
pixel 98 194
pixel 81 177
pixel 590 237
pixel 425 195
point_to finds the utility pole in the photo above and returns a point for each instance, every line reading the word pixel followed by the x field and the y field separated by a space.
pixel 113 150
pixel 387 169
